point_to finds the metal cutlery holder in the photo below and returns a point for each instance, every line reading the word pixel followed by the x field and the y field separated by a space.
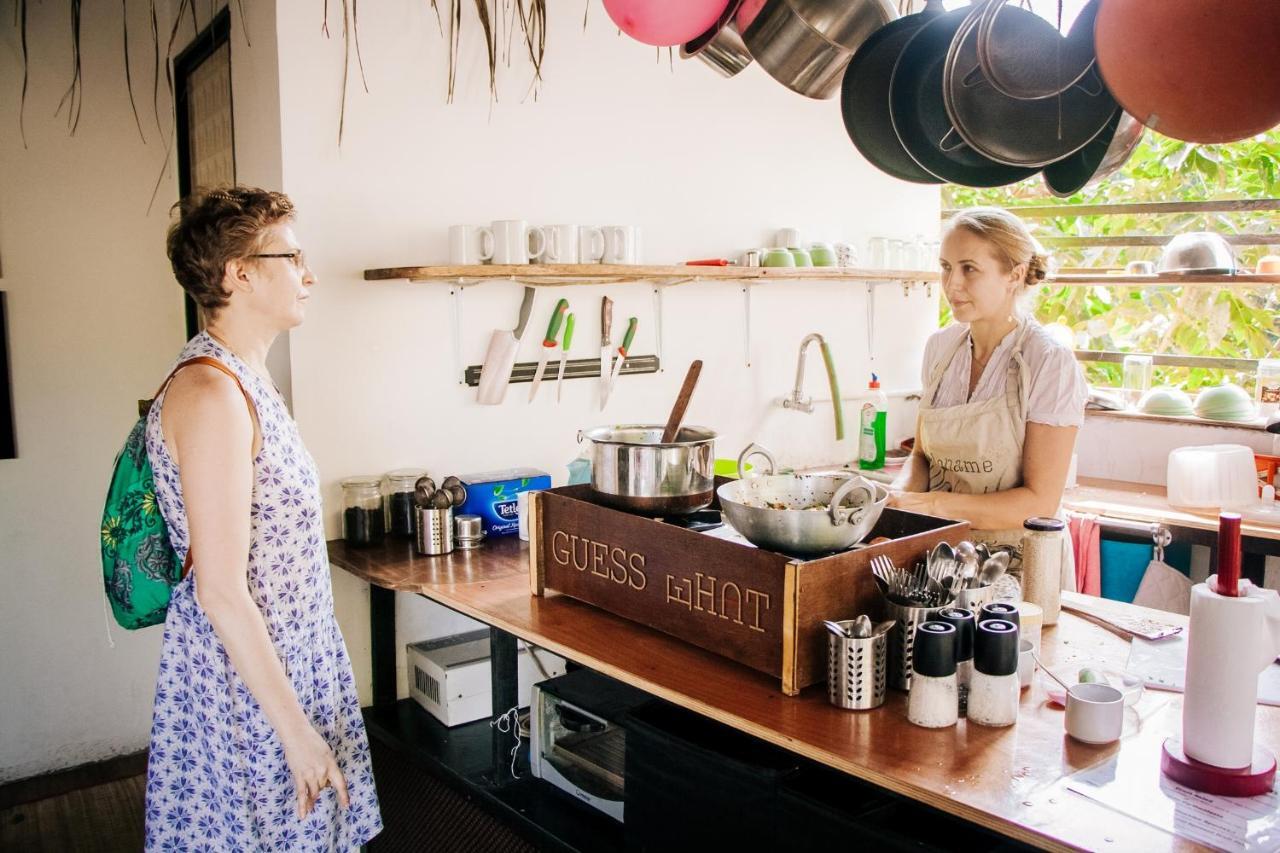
pixel 856 671
pixel 902 637
pixel 433 531
pixel 973 599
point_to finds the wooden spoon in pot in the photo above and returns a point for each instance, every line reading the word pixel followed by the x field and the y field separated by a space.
pixel 682 403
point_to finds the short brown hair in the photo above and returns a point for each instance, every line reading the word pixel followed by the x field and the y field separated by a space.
pixel 215 226
pixel 1010 240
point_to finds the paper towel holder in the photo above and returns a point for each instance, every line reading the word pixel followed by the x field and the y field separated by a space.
pixel 1251 781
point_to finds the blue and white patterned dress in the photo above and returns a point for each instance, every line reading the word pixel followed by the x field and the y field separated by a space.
pixel 217 779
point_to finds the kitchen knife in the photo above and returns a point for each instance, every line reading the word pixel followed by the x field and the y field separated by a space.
pixel 623 350
pixel 500 358
pixel 606 347
pixel 564 354
pixel 548 344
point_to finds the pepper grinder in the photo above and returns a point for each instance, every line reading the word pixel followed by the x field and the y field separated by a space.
pixel 1234 634
pixel 934 700
pixel 994 691
pixel 964 623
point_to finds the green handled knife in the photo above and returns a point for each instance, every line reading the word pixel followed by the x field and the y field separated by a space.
pixel 623 350
pixel 564 354
pixel 548 344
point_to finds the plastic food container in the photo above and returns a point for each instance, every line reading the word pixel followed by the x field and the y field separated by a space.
pixel 1212 476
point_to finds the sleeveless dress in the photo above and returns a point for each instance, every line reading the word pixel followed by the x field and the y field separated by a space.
pixel 217 779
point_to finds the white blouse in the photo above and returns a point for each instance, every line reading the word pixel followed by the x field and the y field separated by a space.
pixel 1058 391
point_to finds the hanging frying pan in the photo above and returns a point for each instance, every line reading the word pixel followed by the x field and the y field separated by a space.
pixel 1107 152
pixel 864 97
pixel 1023 56
pixel 1196 70
pixel 1013 131
pixel 919 112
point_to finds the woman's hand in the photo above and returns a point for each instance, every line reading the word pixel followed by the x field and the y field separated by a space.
pixel 921 502
pixel 314 768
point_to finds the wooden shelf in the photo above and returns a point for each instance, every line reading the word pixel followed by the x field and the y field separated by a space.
pixel 1249 280
pixel 571 274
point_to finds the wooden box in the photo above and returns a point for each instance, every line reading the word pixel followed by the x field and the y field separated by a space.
pixel 757 607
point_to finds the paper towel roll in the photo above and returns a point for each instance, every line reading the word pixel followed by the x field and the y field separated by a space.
pixel 1229 642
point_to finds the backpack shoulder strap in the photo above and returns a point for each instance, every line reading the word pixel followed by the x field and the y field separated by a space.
pixel 253 411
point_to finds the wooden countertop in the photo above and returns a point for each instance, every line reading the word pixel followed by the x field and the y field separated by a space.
pixel 1011 780
pixel 1146 502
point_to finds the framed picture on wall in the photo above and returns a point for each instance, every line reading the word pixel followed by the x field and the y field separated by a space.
pixel 8 441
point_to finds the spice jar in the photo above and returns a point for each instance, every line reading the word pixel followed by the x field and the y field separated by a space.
pixel 995 690
pixel 1042 565
pixel 400 503
pixel 934 701
pixel 363 520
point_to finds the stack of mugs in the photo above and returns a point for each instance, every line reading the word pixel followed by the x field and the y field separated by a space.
pixel 514 241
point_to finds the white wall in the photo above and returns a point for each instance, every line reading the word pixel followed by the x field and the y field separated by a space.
pixel 706 166
pixel 95 318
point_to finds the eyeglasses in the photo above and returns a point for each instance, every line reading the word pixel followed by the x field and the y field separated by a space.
pixel 299 260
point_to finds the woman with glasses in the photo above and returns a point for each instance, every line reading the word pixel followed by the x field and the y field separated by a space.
pixel 257 742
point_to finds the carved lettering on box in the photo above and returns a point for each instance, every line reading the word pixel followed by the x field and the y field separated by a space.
pixel 678 592
pixel 737 602
pixel 617 566
pixel 704 592
pixel 636 572
pixel 599 551
pixel 753 601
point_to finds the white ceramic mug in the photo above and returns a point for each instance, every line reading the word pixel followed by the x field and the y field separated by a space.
pixel 590 244
pixel 514 242
pixel 1095 712
pixel 470 244
pixel 561 244
pixel 787 238
pixel 621 244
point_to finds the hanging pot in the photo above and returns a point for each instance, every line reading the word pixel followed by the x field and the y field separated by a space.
pixel 721 46
pixel 1013 131
pixel 864 97
pixel 1108 151
pixel 806 44
pixel 1023 56
pixel 1196 70
pixel 919 111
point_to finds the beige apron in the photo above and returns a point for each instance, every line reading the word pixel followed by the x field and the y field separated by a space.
pixel 976 448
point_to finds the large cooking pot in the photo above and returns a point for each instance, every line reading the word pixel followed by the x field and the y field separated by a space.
pixel 632 470
pixel 721 46
pixel 806 44
pixel 803 515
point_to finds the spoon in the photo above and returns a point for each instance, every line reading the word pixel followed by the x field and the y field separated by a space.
pixel 993 568
pixel 969 558
pixel 862 627
pixel 837 629
pixel 682 403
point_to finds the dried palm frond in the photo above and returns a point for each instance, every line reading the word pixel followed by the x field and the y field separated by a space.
pixel 439 23
pixel 534 24
pixel 128 73
pixel 491 45
pixel 20 16
pixel 455 27
pixel 71 99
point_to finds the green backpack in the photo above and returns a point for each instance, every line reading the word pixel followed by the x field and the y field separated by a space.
pixel 139 566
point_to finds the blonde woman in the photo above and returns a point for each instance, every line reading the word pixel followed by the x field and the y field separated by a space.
pixel 1003 400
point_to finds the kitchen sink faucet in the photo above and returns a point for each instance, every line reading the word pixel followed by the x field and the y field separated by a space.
pixel 801 403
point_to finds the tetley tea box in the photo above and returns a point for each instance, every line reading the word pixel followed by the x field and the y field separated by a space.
pixel 492 496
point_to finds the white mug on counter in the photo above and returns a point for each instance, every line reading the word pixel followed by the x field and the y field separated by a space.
pixel 470 244
pixel 514 242
pixel 560 244
pixel 621 244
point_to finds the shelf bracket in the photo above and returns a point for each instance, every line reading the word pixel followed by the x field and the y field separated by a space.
pixel 746 315
pixel 455 296
pixel 657 324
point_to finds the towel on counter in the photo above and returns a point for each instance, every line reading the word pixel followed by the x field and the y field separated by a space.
pixel 1086 537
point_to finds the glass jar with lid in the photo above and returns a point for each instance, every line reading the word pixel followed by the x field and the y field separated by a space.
pixel 400 503
pixel 363 515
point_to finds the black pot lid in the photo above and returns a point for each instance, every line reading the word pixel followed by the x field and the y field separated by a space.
pixel 864 100
pixel 919 113
pixel 1014 131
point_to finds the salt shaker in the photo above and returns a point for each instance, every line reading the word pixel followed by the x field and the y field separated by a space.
pixel 964 623
pixel 1004 611
pixel 934 701
pixel 994 690
pixel 1042 565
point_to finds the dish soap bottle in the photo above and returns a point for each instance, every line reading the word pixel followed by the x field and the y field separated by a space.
pixel 871 438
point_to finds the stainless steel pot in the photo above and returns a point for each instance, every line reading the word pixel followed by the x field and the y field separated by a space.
pixel 632 470
pixel 721 46
pixel 806 44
